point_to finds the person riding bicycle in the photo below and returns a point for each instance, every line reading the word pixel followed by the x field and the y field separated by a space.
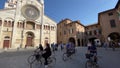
pixel 70 48
pixel 93 51
pixel 38 52
pixel 46 53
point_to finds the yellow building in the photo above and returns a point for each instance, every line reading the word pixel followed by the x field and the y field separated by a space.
pixel 110 23
pixel 68 29
pixel 23 23
pixel 107 29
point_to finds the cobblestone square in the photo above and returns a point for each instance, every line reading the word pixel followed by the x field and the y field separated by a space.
pixel 18 59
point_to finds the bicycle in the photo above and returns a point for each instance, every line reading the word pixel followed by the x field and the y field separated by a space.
pixel 37 58
pixel 90 63
pixel 67 56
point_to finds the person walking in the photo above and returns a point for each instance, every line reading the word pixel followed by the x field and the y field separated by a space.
pixel 105 45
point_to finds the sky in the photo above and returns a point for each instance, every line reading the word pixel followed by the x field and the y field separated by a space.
pixel 86 11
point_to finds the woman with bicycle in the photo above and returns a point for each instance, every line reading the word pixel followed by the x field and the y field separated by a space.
pixel 46 53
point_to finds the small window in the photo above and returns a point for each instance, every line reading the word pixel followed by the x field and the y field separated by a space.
pixel 110 14
pixel 5 23
pixel 112 23
pixel 9 23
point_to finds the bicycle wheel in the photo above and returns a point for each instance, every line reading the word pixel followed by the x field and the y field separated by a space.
pixel 52 61
pixel 31 59
pixel 88 64
pixel 65 57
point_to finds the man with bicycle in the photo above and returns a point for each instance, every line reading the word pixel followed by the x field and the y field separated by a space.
pixel 70 48
pixel 93 52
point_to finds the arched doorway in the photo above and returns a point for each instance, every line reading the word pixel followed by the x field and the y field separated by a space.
pixel 6 42
pixel 71 39
pixel 95 41
pixel 30 39
pixel 114 36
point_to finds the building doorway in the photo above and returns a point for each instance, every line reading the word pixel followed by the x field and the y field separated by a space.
pixel 114 36
pixel 71 39
pixel 29 39
pixel 6 42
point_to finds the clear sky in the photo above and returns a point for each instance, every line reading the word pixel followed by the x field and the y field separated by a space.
pixel 84 10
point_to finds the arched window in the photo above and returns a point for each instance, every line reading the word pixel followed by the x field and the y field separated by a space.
pixel 18 24
pixel 48 27
pixel 9 23
pixel 5 23
pixel 7 37
pixel 44 26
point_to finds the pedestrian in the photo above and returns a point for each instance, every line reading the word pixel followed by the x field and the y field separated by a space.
pixel 56 47
pixel 62 46
pixel 53 46
pixel 105 45
pixel 113 46
pixel 46 53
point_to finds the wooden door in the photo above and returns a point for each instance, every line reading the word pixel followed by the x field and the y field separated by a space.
pixel 29 41
pixel 6 43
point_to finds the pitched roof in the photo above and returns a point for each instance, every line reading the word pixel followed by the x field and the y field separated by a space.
pixel 117 4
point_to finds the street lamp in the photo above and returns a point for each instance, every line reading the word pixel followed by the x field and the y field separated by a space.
pixel 42 20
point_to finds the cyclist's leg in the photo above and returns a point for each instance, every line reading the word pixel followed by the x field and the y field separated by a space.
pixel 45 57
pixel 95 58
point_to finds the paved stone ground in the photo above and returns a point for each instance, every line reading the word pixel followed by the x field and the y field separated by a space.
pixel 18 59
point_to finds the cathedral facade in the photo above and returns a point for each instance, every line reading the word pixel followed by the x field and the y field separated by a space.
pixel 24 24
